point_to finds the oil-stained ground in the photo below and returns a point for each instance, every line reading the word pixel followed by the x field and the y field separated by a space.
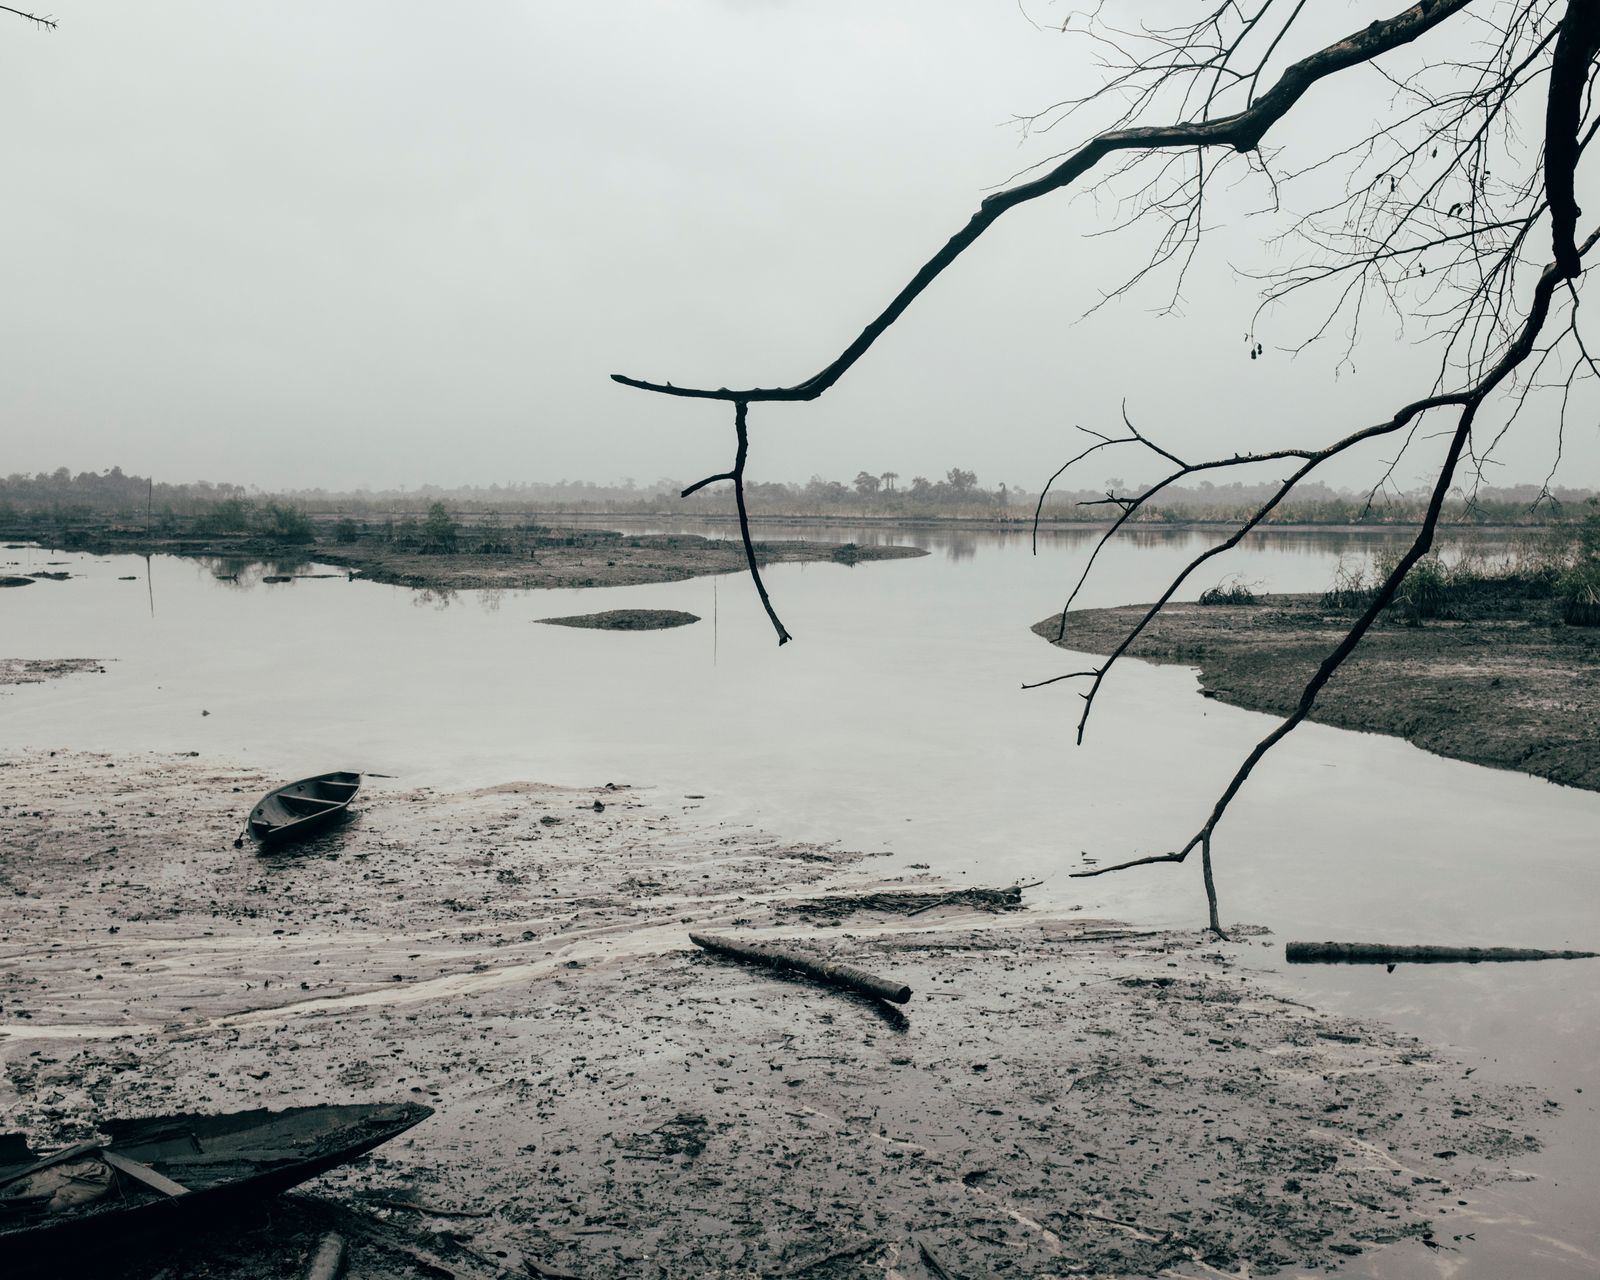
pixel 1062 1096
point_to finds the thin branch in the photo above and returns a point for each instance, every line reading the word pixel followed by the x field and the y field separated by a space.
pixel 742 432
pixel 48 23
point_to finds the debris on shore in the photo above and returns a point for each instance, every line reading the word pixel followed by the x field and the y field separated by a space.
pixel 1070 1096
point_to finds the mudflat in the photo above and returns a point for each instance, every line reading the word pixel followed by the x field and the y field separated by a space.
pixel 1504 686
pixel 1061 1095
pixel 551 558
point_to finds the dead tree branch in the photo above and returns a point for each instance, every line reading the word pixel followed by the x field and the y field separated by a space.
pixel 742 435
pixel 1470 401
pixel 1241 131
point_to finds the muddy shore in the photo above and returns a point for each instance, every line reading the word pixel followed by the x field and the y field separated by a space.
pixel 1062 1096
pixel 1507 687
pixel 550 558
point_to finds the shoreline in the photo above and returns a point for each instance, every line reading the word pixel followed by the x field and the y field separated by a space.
pixel 558 558
pixel 1061 1094
pixel 1503 687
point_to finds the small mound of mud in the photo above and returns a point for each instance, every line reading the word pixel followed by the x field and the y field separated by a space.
pixel 902 902
pixel 11 580
pixel 626 620
pixel 35 670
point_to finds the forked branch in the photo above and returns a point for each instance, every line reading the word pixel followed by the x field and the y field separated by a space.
pixel 1471 401
pixel 742 434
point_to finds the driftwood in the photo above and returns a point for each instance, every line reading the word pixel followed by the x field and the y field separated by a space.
pixel 1380 953
pixel 328 1261
pixel 829 971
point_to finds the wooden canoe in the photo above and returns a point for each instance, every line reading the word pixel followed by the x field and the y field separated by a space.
pixel 151 1171
pixel 300 808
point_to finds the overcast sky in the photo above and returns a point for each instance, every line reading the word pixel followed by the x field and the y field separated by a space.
pixel 378 242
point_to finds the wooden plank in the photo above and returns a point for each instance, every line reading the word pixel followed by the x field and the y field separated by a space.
pixel 145 1174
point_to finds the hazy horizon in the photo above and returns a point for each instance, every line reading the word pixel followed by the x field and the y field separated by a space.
pixel 367 245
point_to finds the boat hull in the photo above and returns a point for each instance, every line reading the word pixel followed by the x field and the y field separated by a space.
pixel 299 809
pixel 223 1162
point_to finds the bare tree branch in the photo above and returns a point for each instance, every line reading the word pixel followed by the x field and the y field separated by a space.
pixel 1242 131
pixel 1576 47
pixel 1471 402
pixel 742 434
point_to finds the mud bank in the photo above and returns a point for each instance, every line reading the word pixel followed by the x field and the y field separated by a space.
pixel 553 558
pixel 629 561
pixel 625 620
pixel 1499 689
pixel 38 670
pixel 1062 1096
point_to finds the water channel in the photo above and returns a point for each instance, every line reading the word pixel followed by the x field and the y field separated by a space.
pixel 896 722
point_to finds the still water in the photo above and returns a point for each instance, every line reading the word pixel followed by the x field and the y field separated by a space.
pixel 895 722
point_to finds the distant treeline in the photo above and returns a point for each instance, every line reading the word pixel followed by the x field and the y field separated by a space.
pixel 134 500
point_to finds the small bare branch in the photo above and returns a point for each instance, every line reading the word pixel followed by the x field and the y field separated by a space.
pixel 46 23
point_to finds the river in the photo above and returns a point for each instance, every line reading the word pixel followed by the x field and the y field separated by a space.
pixel 896 722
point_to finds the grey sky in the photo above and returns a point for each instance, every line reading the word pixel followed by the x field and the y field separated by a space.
pixel 381 242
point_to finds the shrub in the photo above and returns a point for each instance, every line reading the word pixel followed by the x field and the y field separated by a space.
pixel 346 531
pixel 1232 591
pixel 287 524
pixel 231 515
pixel 438 530
pixel 1350 589
pixel 1580 596
pixel 1425 591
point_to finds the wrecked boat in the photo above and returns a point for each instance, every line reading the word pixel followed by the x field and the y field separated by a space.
pixel 149 1172
pixel 302 808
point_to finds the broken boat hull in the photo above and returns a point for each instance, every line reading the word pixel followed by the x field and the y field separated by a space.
pixel 155 1171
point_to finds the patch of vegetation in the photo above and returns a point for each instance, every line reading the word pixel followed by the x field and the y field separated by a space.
pixel 1561 564
pixel 1231 591
pixel 438 531
pixel 231 515
pixel 283 523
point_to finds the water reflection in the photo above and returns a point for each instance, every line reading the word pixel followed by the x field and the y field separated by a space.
pixel 245 573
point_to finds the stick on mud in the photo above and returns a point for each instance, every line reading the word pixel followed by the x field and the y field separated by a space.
pixel 829 971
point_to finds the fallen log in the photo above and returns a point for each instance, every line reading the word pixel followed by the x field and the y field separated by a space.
pixel 1382 953
pixel 829 971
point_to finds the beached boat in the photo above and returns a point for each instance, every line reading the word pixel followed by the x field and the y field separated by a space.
pixel 301 808
pixel 149 1172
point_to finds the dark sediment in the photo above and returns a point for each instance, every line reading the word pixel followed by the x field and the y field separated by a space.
pixel 37 670
pixel 1060 1096
pixel 626 620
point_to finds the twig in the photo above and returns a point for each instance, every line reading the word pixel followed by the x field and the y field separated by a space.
pixel 49 24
